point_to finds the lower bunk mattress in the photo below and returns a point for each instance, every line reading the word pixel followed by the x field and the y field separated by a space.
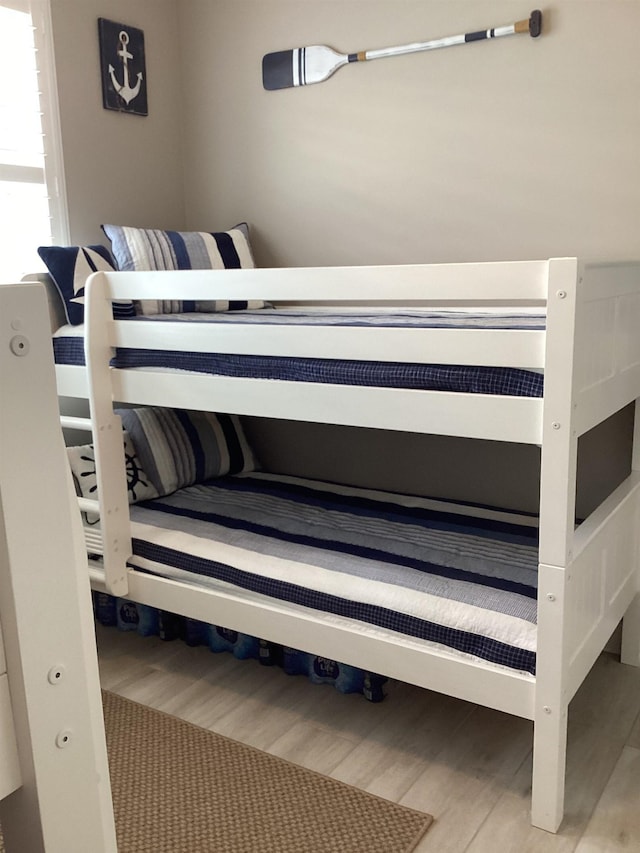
pixel 462 578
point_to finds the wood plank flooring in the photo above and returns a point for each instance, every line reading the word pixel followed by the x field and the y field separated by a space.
pixel 468 766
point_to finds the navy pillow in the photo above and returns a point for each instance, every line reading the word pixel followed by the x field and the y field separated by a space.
pixel 69 267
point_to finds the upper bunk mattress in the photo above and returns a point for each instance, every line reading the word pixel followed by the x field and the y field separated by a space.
pixel 460 577
pixel 69 349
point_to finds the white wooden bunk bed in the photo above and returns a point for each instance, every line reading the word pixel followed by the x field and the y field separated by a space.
pixel 588 349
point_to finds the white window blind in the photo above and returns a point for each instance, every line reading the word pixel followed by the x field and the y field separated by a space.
pixel 32 201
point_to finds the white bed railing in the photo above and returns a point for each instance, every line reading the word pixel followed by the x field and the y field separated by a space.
pixel 521 285
pixel 522 348
pixel 498 282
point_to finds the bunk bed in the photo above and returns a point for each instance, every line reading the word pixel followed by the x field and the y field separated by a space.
pixel 567 329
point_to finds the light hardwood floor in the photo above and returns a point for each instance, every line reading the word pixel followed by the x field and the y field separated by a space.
pixel 468 766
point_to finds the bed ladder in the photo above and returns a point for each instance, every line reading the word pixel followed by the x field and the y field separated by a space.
pixel 111 539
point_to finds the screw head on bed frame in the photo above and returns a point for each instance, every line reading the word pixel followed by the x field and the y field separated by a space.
pixel 19 345
pixel 55 674
pixel 63 738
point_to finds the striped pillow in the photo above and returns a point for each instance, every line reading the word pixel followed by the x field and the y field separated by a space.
pixel 151 249
pixel 177 448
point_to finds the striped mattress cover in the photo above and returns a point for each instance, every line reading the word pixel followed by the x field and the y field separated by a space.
pixel 460 577
pixel 69 349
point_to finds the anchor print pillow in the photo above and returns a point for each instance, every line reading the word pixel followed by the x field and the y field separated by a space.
pixel 83 468
pixel 70 267
pixel 151 249
pixel 179 448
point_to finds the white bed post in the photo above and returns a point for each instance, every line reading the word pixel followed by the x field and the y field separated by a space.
pixel 557 518
pixel 64 802
pixel 630 651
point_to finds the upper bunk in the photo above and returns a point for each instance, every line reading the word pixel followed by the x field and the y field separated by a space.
pixel 576 324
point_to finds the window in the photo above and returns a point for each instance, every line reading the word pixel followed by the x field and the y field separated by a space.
pixel 32 201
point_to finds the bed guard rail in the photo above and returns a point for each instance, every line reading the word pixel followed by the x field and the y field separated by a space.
pixel 500 282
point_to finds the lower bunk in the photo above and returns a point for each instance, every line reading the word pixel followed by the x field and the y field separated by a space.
pixel 458 577
pixel 447 596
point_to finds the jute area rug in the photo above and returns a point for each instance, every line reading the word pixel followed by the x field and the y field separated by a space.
pixel 178 788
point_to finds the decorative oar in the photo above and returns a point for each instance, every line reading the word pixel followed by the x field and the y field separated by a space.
pixel 304 65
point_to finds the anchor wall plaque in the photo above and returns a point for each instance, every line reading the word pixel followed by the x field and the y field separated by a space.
pixel 122 64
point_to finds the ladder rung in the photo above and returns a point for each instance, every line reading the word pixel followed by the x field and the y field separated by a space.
pixel 69 422
pixel 93 540
pixel 89 505
pixel 96 571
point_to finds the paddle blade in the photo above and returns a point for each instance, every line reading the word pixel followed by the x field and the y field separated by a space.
pixel 277 70
pixel 300 66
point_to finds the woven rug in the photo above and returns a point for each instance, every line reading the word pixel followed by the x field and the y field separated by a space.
pixel 178 788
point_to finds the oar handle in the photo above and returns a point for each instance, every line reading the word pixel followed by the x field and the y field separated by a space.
pixel 532 25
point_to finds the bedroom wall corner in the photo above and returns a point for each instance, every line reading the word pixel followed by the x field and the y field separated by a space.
pixel 119 168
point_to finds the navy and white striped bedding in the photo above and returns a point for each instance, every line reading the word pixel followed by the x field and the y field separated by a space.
pixel 378 317
pixel 68 349
pixel 460 577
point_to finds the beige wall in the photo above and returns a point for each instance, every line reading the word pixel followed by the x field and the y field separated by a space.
pixel 495 150
pixel 507 149
pixel 119 168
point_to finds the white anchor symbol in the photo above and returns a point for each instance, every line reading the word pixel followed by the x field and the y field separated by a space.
pixel 125 91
